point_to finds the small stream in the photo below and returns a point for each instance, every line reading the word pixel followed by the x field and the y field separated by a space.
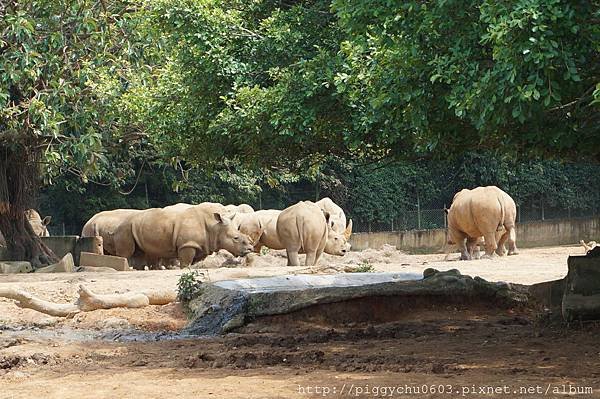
pixel 66 334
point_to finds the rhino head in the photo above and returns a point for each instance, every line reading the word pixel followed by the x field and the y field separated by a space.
pixel 337 244
pixel 230 238
pixel 249 225
pixel 38 225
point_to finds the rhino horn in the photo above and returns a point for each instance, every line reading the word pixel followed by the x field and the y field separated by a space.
pixel 348 231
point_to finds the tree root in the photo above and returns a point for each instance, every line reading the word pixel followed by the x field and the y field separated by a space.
pixel 88 301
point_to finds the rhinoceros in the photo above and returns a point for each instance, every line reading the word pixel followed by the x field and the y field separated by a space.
pixel 337 217
pixel 105 224
pixel 482 211
pixel 304 228
pixel 38 225
pixel 249 224
pixel 190 234
pixel 242 208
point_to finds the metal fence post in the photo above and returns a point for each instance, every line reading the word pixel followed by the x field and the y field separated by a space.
pixel 418 211
pixel 542 201
pixel 392 224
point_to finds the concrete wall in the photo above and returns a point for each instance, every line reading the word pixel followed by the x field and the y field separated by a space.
pixel 62 245
pixel 531 234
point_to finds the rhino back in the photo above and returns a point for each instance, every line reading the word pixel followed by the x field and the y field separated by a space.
pixel 105 224
pixel 154 232
pixel 337 217
pixel 268 219
pixel 302 225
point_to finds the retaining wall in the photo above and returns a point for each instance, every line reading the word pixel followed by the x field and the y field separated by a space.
pixel 530 234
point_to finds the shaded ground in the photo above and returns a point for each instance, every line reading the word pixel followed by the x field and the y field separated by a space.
pixel 460 347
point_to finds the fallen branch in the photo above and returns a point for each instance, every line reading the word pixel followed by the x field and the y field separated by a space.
pixel 88 301
pixel 28 301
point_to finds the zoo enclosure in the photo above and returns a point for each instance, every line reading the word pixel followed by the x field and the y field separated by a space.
pixel 426 219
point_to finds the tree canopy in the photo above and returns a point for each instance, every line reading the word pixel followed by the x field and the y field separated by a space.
pixel 238 94
pixel 271 82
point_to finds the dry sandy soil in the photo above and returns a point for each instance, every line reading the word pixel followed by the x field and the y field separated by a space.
pixel 464 349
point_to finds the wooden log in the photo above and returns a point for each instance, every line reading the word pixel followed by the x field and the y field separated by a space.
pixel 89 301
pixel 28 301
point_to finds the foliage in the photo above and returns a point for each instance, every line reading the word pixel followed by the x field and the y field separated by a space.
pixel 247 81
pixel 436 78
pixel 377 192
pixel 364 267
pixel 189 286
pixel 61 70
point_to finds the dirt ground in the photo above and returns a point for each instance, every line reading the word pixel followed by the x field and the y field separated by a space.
pixel 426 346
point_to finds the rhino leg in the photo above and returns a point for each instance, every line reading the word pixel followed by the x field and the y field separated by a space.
pixel 292 257
pixel 473 248
pixel 311 259
pixel 125 246
pixel 512 241
pixel 318 256
pixel 464 251
pixel 490 244
pixel 501 250
pixel 186 256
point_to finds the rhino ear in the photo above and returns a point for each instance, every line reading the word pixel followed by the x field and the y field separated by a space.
pixel 221 219
pixel 327 216
pixel 46 220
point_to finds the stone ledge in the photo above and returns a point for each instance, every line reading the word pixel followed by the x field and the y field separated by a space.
pixel 226 305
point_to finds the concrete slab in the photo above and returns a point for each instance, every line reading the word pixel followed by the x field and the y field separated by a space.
pixel 66 265
pixel 95 260
pixel 225 305
pixel 581 299
pixel 307 281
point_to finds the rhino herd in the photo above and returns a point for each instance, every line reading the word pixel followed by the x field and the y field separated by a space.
pixel 184 233
pixel 189 233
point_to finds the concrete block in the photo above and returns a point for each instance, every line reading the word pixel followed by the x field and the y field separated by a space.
pixel 549 293
pixel 95 260
pixel 66 265
pixel 15 267
pixel 61 245
pixel 91 269
pixel 581 300
pixel 88 244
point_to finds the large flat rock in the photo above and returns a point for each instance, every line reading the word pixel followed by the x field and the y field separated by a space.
pixel 225 305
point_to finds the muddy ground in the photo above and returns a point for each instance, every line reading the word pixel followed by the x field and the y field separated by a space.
pixel 462 349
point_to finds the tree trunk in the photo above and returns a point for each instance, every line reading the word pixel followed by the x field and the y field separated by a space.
pixel 22 243
pixel 19 182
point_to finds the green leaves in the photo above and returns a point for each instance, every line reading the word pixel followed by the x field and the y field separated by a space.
pixel 55 65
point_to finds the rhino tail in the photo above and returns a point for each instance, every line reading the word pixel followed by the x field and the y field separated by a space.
pixel 502 214
pixel 300 228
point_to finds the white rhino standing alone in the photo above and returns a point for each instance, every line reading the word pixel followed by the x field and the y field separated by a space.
pixel 482 212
